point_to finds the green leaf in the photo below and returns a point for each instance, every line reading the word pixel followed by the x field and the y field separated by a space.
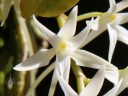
pixel 29 7
pixel 45 8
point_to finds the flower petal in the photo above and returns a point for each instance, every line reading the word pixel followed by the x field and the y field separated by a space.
pixel 40 59
pixel 124 76
pixel 112 41
pixel 95 24
pixel 69 28
pixel 96 83
pixel 49 35
pixel 68 91
pixel 64 66
pixel 78 40
pixel 53 84
pixel 88 59
pixel 122 5
pixel 122 34
pixel 5 10
pixel 112 8
pixel 103 20
pixel 114 90
pixel 112 75
pixel 121 18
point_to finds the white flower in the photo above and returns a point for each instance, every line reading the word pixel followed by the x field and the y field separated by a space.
pixel 6 8
pixel 92 89
pixel 111 20
pixel 66 46
pixel 122 5
pixel 95 84
pixel 123 75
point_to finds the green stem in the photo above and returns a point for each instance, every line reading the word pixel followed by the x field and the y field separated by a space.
pixel 2 82
pixel 79 76
pixel 28 46
pixel 39 79
pixel 31 49
pixel 86 81
pixel 88 15
pixel 18 35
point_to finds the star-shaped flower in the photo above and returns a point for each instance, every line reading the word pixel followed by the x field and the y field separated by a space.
pixel 123 75
pixel 112 20
pixel 66 46
pixel 6 8
pixel 95 83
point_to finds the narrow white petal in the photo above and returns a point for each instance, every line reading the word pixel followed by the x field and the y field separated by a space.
pixel 112 8
pixel 78 40
pixel 122 5
pixel 103 20
pixel 121 18
pixel 124 76
pixel 114 90
pixel 112 75
pixel 64 66
pixel 96 83
pixel 40 59
pixel 112 41
pixel 69 28
pixel 49 35
pixel 5 10
pixel 122 34
pixel 53 84
pixel 88 59
pixel 68 91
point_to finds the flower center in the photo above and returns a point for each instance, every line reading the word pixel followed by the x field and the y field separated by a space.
pixel 63 47
pixel 113 17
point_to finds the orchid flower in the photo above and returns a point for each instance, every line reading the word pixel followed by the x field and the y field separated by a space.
pixel 111 20
pixel 6 8
pixel 123 75
pixel 95 83
pixel 66 46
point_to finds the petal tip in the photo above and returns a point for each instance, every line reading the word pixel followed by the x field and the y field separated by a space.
pixel 75 9
pixel 19 67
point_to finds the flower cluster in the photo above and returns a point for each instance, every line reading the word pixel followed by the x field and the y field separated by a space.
pixel 67 49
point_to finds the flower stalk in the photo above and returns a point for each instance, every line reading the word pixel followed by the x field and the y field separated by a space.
pixel 39 79
pixel 88 15
pixel 79 76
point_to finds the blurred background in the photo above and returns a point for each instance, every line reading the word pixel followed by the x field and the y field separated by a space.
pixel 13 50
